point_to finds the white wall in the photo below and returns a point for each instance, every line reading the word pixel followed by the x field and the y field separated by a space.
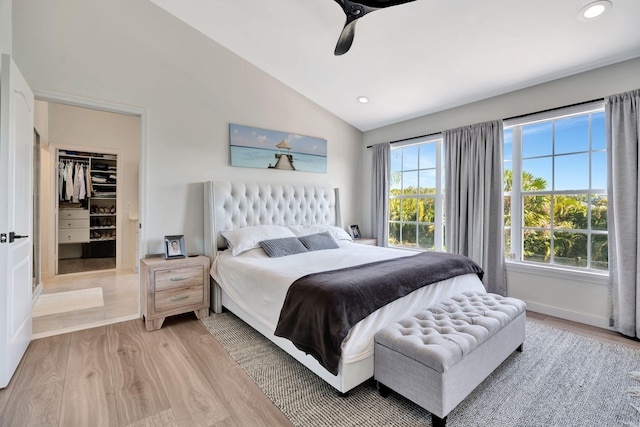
pixel 131 52
pixel 574 298
pixel 5 27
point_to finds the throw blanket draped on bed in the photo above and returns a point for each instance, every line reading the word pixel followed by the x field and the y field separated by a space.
pixel 320 308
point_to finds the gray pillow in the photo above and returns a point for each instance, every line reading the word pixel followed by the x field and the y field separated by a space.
pixel 315 242
pixel 282 247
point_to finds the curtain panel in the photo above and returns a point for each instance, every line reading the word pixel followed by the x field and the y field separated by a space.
pixel 622 126
pixel 380 192
pixel 474 198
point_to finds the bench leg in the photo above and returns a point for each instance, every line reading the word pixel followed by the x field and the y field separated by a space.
pixel 382 389
pixel 436 421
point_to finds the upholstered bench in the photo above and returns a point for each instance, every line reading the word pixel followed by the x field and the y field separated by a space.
pixel 438 356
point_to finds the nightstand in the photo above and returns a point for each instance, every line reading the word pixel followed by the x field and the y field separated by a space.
pixel 173 286
pixel 366 241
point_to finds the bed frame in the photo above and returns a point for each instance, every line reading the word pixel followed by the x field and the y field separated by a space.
pixel 229 205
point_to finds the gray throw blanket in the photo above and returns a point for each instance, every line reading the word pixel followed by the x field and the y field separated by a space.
pixel 320 308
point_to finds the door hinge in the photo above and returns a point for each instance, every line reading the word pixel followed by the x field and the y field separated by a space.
pixel 3 238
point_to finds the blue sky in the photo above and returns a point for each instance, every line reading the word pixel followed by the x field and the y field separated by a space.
pixel 246 136
pixel 571 137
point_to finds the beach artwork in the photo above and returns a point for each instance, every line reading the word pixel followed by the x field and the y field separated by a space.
pixel 269 149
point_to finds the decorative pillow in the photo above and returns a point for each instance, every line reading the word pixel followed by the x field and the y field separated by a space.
pixel 282 247
pixel 336 232
pixel 316 242
pixel 243 239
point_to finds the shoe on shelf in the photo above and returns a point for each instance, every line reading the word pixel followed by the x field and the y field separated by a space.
pixel 112 209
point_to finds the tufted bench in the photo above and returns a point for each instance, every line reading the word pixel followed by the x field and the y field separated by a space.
pixel 438 356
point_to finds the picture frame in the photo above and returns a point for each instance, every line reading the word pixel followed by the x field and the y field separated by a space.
pixel 174 247
pixel 355 231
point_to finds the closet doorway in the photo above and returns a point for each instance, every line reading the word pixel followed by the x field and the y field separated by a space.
pixel 89 198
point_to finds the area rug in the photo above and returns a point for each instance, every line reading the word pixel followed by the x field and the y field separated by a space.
pixel 561 379
pixel 64 302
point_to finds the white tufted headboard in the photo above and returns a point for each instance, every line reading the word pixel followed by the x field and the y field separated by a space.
pixel 229 205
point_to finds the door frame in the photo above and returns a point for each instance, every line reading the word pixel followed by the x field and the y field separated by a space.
pixel 143 115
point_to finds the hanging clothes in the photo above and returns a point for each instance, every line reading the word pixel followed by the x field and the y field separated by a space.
pixel 68 179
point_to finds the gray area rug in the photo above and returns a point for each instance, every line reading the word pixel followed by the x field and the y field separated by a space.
pixel 561 379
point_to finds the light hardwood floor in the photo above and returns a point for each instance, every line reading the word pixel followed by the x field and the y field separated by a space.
pixel 120 295
pixel 121 375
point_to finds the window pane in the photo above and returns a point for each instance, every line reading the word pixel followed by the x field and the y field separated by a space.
pixel 394 233
pixel 427 210
pixel 599 170
pixel 427 181
pixel 507 211
pixel 570 249
pixel 572 134
pixel 409 211
pixel 427 156
pixel 410 157
pixel 536 174
pixel 507 242
pixel 408 235
pixel 599 212
pixel 600 252
pixel 536 246
pixel 426 236
pixel 410 182
pixel 396 160
pixel 537 140
pixel 598 141
pixel 570 212
pixel 536 212
pixel 396 183
pixel 572 172
pixel 508 145
pixel 394 209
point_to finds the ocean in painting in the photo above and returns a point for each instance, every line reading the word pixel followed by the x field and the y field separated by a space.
pixel 257 148
pixel 261 158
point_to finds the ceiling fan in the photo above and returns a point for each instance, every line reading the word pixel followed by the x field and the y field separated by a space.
pixel 354 11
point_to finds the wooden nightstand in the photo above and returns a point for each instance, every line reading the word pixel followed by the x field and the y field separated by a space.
pixel 173 286
pixel 366 241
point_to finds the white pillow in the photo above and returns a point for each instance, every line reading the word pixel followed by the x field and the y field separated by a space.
pixel 243 239
pixel 335 232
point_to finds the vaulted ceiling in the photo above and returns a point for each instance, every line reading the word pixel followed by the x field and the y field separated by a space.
pixel 416 58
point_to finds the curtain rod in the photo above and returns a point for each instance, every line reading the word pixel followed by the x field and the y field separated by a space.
pixel 508 118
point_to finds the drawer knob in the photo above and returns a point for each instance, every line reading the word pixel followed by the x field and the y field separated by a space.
pixel 179 278
pixel 180 298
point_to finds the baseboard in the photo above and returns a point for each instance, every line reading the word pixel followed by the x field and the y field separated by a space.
pixel 600 322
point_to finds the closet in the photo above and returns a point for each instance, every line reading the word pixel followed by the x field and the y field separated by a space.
pixel 86 187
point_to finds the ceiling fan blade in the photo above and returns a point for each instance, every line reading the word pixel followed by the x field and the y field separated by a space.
pixel 346 38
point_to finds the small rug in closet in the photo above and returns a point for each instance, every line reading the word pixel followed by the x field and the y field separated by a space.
pixel 64 302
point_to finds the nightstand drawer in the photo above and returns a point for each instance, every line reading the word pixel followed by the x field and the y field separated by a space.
pixel 78 235
pixel 173 298
pixel 178 278
pixel 73 223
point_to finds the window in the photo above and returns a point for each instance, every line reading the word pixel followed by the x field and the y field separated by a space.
pixel 416 195
pixel 555 189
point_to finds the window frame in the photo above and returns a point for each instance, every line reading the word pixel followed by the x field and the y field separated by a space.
pixel 438 197
pixel 515 257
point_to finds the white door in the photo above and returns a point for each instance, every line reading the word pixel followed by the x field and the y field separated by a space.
pixel 16 216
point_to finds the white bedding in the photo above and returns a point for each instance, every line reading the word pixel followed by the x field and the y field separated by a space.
pixel 258 284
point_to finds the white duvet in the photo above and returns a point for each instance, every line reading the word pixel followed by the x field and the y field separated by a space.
pixel 258 284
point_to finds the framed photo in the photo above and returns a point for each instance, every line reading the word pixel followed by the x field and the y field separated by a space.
pixel 355 231
pixel 174 247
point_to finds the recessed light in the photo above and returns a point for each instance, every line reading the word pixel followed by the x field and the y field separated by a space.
pixel 363 99
pixel 594 10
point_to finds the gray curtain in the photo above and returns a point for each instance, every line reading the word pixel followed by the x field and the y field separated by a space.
pixel 380 192
pixel 474 198
pixel 622 121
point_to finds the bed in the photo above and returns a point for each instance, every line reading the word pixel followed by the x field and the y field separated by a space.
pixel 254 286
